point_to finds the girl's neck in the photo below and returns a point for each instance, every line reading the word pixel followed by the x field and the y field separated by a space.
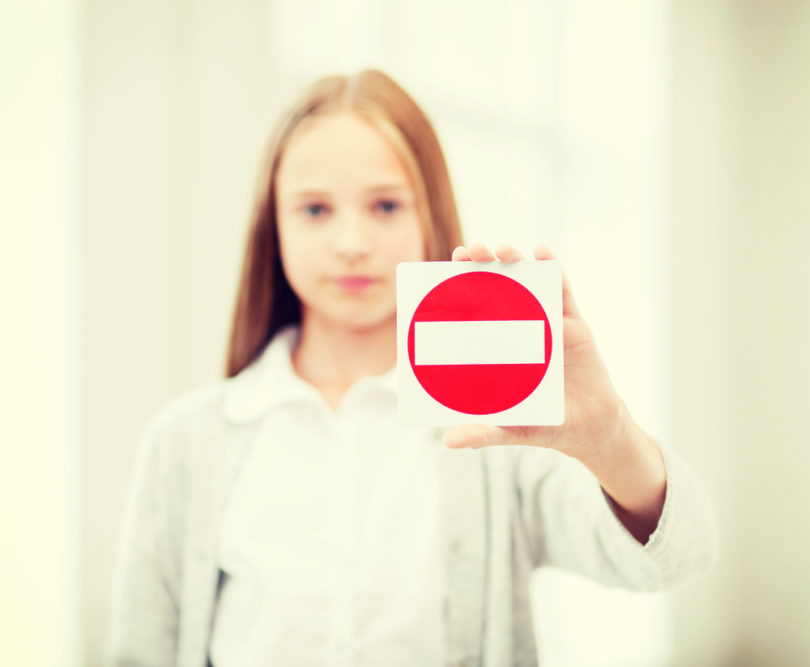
pixel 332 358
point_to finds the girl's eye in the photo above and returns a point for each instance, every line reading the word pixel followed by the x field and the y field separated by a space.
pixel 387 206
pixel 314 210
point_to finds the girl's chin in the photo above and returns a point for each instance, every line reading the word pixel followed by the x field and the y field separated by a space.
pixel 358 322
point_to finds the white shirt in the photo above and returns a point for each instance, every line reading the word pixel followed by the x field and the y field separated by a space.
pixel 331 540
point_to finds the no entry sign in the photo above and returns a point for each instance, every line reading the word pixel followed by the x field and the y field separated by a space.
pixel 508 343
pixel 480 342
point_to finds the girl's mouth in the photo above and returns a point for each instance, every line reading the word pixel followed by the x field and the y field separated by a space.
pixel 355 283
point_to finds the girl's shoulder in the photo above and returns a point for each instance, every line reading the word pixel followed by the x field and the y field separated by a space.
pixel 188 422
pixel 191 408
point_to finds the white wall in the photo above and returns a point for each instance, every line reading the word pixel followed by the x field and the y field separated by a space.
pixel 741 320
pixel 39 333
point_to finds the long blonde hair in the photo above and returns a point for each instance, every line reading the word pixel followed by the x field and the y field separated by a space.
pixel 265 301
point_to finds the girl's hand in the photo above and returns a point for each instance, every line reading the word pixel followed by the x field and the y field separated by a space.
pixel 594 412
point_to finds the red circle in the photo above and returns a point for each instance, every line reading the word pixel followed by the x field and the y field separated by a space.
pixel 479 389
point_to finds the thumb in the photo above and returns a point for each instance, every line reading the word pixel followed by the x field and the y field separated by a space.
pixel 475 436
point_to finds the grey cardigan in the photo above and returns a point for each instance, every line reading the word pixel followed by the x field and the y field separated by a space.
pixel 507 510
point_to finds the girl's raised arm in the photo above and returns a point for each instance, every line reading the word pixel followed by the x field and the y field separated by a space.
pixel 657 500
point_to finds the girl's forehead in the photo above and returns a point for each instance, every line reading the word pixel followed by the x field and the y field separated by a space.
pixel 339 149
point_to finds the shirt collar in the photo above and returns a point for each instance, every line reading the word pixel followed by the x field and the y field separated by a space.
pixel 270 380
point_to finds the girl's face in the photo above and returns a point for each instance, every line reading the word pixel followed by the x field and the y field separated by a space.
pixel 347 216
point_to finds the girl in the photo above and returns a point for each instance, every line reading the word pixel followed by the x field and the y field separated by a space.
pixel 281 516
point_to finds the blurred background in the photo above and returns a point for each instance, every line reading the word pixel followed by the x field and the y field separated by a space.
pixel 661 149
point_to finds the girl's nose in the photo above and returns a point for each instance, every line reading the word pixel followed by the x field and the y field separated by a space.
pixel 351 240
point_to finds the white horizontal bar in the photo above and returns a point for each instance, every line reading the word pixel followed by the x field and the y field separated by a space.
pixel 480 342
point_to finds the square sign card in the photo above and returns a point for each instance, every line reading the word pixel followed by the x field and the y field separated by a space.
pixel 480 342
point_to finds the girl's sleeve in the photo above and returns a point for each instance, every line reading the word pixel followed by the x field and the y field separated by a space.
pixel 569 522
pixel 145 611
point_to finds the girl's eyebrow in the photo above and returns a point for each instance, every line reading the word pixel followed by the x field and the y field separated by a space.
pixel 305 194
pixel 388 186
pixel 324 194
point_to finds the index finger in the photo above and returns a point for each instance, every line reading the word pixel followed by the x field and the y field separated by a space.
pixel 507 253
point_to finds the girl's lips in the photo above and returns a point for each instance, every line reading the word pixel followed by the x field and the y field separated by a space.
pixel 355 283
